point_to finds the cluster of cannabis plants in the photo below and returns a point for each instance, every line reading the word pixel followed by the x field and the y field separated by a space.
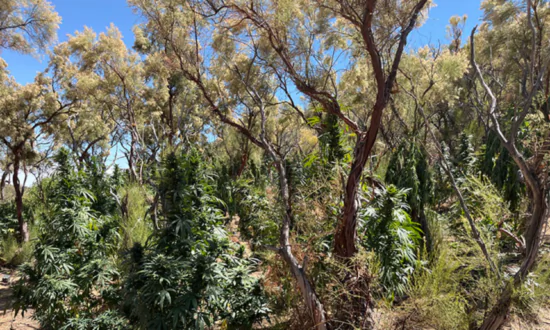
pixel 191 275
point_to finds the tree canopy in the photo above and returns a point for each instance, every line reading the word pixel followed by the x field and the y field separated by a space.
pixel 278 164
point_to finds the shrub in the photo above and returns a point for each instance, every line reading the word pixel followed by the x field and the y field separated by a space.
pixel 388 230
pixel 72 277
pixel 191 275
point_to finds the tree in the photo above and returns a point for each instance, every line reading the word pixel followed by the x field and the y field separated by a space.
pixel 28 115
pixel 292 39
pixel 27 25
pixel 239 95
pixel 530 153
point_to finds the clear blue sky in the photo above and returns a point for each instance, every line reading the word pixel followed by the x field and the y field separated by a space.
pixel 435 28
pixel 75 14
pixel 99 14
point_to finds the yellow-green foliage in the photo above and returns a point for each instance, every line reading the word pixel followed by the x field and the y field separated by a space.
pixel 435 298
pixel 14 254
pixel 456 278
pixel 135 226
pixel 535 292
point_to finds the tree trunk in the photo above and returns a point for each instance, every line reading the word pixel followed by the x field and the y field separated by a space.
pixel 346 231
pixel 498 314
pixel 23 228
pixel 313 304
pixel 3 182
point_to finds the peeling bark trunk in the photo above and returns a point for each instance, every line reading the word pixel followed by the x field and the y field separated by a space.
pixel 344 240
pixel 346 232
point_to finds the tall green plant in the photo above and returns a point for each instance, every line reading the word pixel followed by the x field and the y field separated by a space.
pixel 191 275
pixel 388 230
pixel 409 169
pixel 72 278
pixel 499 166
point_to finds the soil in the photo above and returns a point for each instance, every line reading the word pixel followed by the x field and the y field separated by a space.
pixel 7 319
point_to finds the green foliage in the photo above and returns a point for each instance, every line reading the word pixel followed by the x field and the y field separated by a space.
pixel 245 198
pixel 435 298
pixel 484 201
pixel 330 139
pixel 256 220
pixel 135 225
pixel 72 276
pixel 103 321
pixel 534 295
pixel 408 168
pixel 465 160
pixel 191 275
pixel 497 164
pixel 8 220
pixel 388 230
pixel 14 254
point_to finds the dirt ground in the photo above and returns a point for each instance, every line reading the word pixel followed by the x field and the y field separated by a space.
pixel 7 320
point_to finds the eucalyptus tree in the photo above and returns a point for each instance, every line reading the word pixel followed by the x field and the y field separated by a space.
pixel 29 113
pixel 173 98
pixel 26 26
pixel 115 107
pixel 86 131
pixel 512 94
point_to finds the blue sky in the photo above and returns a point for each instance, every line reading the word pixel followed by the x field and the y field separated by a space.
pixel 75 14
pixel 99 14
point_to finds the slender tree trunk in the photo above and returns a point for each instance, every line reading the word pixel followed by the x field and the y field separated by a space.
pixel 497 316
pixel 346 232
pixel 132 159
pixel 344 240
pixel 23 227
pixel 446 167
pixel 313 304
pixel 3 182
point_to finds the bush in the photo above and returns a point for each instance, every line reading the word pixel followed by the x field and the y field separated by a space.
pixel 387 229
pixel 13 253
pixel 191 275
pixel 73 277
pixel 135 226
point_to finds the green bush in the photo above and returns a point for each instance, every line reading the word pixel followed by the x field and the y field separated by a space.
pixel 191 275
pixel 14 254
pixel 73 276
pixel 135 225
pixel 387 229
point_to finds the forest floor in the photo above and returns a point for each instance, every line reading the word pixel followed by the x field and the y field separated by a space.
pixel 7 320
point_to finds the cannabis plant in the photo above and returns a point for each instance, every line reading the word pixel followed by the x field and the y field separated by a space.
pixel 191 275
pixel 388 231
pixel 72 278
